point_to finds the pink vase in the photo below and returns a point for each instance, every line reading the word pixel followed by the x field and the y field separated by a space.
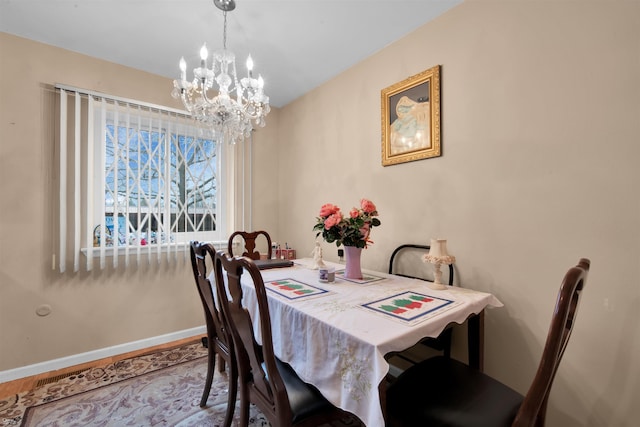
pixel 352 268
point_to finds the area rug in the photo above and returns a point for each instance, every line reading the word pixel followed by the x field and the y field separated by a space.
pixel 159 389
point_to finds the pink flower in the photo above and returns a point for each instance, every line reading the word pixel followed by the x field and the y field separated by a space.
pixel 354 213
pixel 328 209
pixel 332 220
pixel 367 206
pixel 365 230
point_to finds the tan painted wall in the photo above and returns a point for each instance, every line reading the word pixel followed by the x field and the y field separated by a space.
pixel 540 139
pixel 98 309
pixel 541 125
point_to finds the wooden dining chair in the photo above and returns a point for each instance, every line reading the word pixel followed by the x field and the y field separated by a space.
pixel 249 239
pixel 445 392
pixel 219 342
pixel 406 261
pixel 271 385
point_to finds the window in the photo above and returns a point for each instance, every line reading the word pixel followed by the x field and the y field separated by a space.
pixel 138 181
pixel 159 183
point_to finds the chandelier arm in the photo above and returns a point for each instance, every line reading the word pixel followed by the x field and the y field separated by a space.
pixel 254 116
pixel 185 96
pixel 211 101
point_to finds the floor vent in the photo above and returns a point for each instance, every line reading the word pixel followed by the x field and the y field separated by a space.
pixel 50 380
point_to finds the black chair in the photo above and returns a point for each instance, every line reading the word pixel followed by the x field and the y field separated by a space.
pixel 265 381
pixel 413 253
pixel 218 340
pixel 445 392
pixel 249 239
pixel 395 266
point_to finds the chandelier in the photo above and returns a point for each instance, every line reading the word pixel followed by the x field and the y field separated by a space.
pixel 231 118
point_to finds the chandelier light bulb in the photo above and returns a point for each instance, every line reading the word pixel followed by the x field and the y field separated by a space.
pixel 204 53
pixel 183 69
pixel 250 66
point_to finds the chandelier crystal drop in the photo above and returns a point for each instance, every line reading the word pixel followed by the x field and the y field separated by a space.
pixel 237 106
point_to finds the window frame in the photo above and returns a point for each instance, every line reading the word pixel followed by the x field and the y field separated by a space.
pixel 166 133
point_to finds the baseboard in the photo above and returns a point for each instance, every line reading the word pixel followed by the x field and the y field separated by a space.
pixel 77 359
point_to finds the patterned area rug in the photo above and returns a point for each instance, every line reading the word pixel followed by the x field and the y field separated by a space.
pixel 159 389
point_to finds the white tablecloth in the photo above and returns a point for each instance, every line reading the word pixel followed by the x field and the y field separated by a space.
pixel 338 346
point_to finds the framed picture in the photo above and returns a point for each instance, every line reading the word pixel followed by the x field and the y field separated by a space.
pixel 411 118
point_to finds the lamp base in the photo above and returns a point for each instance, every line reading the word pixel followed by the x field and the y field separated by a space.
pixel 437 274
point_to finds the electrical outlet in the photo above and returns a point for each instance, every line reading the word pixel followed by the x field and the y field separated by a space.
pixel 43 310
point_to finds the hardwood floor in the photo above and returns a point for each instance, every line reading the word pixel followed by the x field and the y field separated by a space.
pixel 29 383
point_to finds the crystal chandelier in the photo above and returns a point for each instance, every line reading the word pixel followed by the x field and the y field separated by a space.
pixel 231 118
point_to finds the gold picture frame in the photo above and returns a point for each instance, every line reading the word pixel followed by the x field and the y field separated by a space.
pixel 411 118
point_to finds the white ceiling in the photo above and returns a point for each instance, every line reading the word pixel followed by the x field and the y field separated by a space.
pixel 296 45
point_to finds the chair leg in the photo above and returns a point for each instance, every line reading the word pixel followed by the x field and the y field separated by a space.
pixel 244 406
pixel 446 342
pixel 233 392
pixel 211 366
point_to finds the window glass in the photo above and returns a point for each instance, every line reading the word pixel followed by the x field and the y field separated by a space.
pixel 161 182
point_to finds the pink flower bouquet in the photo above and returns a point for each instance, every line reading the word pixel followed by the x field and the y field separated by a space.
pixel 353 230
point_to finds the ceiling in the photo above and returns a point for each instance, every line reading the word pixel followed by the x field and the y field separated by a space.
pixel 296 45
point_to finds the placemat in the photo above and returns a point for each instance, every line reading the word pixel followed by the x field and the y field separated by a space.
pixel 410 307
pixel 292 289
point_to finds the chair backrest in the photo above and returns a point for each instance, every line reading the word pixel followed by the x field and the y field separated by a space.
pixel 533 408
pixel 213 316
pixel 410 255
pixel 249 238
pixel 256 363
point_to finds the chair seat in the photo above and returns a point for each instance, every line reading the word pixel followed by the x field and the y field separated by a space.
pixel 305 400
pixel 445 392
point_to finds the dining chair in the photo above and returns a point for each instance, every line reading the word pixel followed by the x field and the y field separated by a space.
pixel 249 239
pixel 270 384
pixel 406 261
pixel 219 342
pixel 446 392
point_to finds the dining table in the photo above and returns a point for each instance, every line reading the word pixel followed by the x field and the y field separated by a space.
pixel 336 334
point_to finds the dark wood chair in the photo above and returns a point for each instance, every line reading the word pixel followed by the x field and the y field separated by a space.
pixel 413 253
pixel 249 238
pixel 265 381
pixel 219 342
pixel 445 392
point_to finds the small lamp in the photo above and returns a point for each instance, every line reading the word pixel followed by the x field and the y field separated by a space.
pixel 437 256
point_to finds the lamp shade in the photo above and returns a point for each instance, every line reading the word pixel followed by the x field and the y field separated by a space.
pixel 438 248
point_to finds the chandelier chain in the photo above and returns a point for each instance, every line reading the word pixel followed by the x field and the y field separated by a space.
pixel 224 31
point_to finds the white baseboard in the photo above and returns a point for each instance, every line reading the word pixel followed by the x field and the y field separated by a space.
pixel 77 359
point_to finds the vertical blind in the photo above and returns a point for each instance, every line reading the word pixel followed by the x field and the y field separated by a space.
pixel 136 182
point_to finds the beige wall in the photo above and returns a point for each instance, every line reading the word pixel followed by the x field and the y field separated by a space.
pixel 90 310
pixel 540 121
pixel 540 118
